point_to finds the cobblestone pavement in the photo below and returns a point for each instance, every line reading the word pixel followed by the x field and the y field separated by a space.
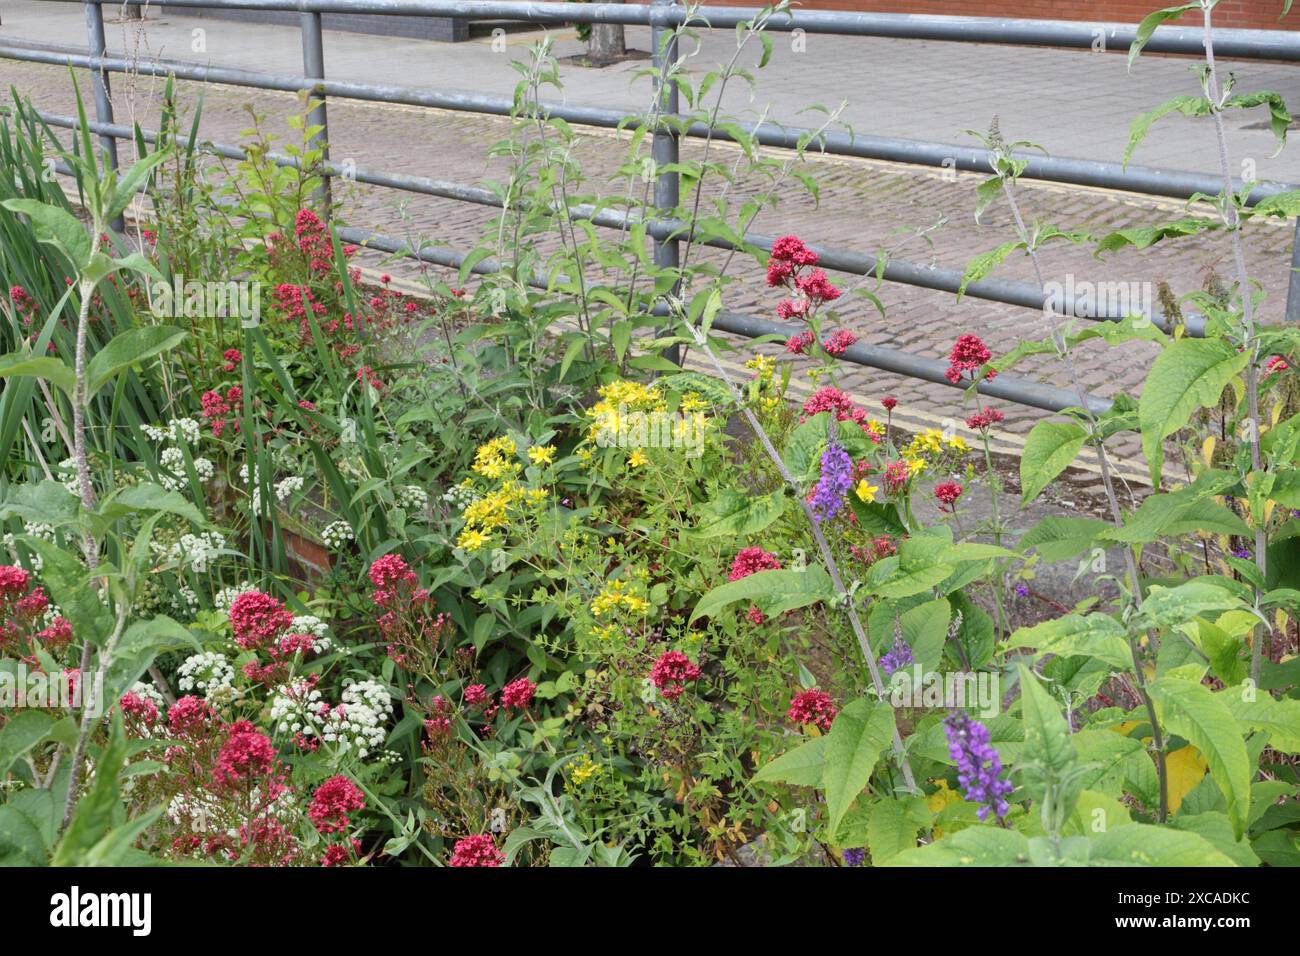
pixel 1081 102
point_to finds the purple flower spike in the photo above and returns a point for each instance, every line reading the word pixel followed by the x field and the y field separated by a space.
pixel 834 484
pixel 854 856
pixel 978 764
pixel 898 657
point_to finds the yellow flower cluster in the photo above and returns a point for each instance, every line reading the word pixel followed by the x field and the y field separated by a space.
pixel 584 769
pixel 625 396
pixel 619 595
pixel 490 513
pixel 496 458
pixel 769 389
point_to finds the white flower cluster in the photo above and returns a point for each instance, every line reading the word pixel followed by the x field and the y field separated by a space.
pixel 178 429
pixel 460 496
pixel 248 475
pixel 210 673
pixel 357 723
pixel 226 596
pixel 337 534
pixel 314 628
pixel 72 483
pixel 185 603
pixel 199 550
pixel 174 462
pixel 36 529
pixel 412 497
pixel 286 488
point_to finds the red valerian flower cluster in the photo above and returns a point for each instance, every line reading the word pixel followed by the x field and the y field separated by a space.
pixel 786 268
pixel 216 407
pixel 24 617
pixel 896 475
pixel 948 493
pixel 812 707
pixel 332 802
pixel 408 619
pixel 750 561
pixel 258 619
pixel 877 548
pixel 984 419
pixel 246 754
pixel 518 694
pixel 969 354
pixel 672 672
pixel 232 359
pixel 831 399
pixel 478 850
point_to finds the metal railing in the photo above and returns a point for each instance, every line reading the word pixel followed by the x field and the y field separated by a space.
pixel 662 16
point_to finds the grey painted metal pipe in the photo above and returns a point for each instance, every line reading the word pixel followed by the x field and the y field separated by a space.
pixel 675 230
pixel 1020 391
pixel 95 42
pixel 664 152
pixel 1139 179
pixel 313 66
pixel 1252 44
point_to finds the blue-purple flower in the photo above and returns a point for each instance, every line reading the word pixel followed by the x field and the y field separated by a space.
pixel 854 856
pixel 1242 552
pixel 979 767
pixel 835 482
pixel 898 657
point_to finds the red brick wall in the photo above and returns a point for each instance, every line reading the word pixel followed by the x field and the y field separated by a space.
pixel 1255 14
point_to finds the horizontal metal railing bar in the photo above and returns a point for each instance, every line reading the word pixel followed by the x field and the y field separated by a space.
pixel 1020 391
pixel 852 263
pixel 1147 180
pixel 1252 44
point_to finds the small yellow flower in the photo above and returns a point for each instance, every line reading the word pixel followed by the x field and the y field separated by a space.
pixel 586 455
pixel 637 459
pixel 472 540
pixel 693 403
pixel 957 443
pixel 865 491
pixel 916 466
pixel 541 454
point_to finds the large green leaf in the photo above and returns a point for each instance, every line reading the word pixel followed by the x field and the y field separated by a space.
pixel 1280 719
pixel 1165 607
pixel 1094 635
pixel 1191 711
pixel 22 731
pixel 801 766
pixel 860 732
pixel 56 227
pixel 736 514
pixel 1190 374
pixel 1049 450
pixel 893 827
pixel 775 592
pixel 1139 844
pixel 1057 538
pixel 1148 27
pixel 1048 750
pixel 974 846
pixel 129 348
pixel 55 371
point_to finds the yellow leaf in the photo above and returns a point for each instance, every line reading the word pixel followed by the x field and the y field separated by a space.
pixel 1185 769
pixel 1207 451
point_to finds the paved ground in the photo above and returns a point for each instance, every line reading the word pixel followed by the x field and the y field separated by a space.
pixel 1072 103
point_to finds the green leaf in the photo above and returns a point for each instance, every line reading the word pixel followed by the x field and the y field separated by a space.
pixel 801 766
pixel 55 371
pixel 127 349
pixel 1164 607
pixel 1048 750
pixel 775 592
pixel 1280 719
pixel 56 227
pixel 860 732
pixel 129 183
pixel 1095 635
pixel 1058 538
pixel 1188 709
pixel 1050 448
pixel 21 732
pixel 979 267
pixel 974 846
pixel 1148 27
pixel 736 514
pixel 1140 844
pixel 1190 374
pixel 1187 105
pixel 894 826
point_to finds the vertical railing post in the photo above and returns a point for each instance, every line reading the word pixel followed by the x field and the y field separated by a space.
pixel 313 65
pixel 663 148
pixel 1293 283
pixel 97 47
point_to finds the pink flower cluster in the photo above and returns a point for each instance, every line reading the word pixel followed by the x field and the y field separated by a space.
pixel 478 850
pixel 812 707
pixel 672 672
pixel 246 755
pixel 831 399
pixel 984 419
pixel 408 619
pixel 969 354
pixel 786 268
pixel 948 492
pixel 332 802
pixel 23 617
